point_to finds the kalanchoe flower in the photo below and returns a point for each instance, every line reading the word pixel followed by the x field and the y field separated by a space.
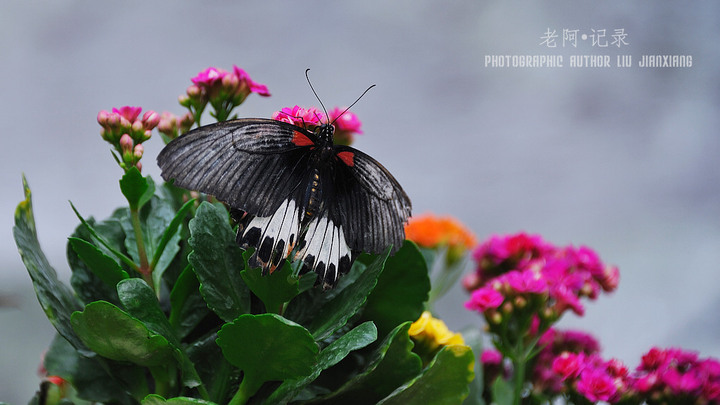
pixel 308 118
pixel 222 89
pixel 677 376
pixel 126 131
pixel 440 232
pixel 346 125
pixel 431 334
pixel 170 125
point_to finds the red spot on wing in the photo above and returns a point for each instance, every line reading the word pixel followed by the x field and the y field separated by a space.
pixel 301 139
pixel 347 158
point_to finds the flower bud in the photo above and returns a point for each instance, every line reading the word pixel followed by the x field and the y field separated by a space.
pixel 193 91
pixel 124 123
pixel 146 135
pixel 138 151
pixel 139 166
pixel 151 119
pixel 184 100
pixel 126 143
pixel 138 127
pixel 103 117
pixel 520 302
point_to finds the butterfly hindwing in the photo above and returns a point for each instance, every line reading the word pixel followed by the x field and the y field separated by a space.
pixel 370 203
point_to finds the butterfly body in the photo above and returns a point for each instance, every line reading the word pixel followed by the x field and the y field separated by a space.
pixel 295 194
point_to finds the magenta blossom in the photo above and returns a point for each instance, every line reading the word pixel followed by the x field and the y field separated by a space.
pixel 484 299
pixel 596 385
pixel 209 77
pixel 126 131
pixel 249 84
pixel 302 117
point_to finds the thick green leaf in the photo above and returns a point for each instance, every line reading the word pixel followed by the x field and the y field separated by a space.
pixel 187 307
pixel 90 376
pixel 56 299
pixel 113 333
pixel 392 365
pixel 140 301
pixel 335 313
pixel 103 266
pixel 267 347
pixel 357 338
pixel 502 392
pixel 401 290
pixel 155 218
pixel 274 289
pixel 444 381
pixel 473 337
pixel 137 189
pixel 217 261
pixel 154 399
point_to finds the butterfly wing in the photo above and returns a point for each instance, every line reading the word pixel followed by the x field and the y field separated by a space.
pixel 370 204
pixel 251 164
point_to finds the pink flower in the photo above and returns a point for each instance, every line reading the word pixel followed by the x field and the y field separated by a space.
pixel 484 299
pixel 253 87
pixel 596 385
pixel 491 357
pixel 209 77
pixel 526 281
pixel 128 112
pixel 568 365
pixel 299 116
pixel 346 122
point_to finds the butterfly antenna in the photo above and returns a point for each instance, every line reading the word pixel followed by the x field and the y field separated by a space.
pixel 327 117
pixel 354 102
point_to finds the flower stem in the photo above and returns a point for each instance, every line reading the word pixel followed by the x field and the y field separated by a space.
pixel 144 269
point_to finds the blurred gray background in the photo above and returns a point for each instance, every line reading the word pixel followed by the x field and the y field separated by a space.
pixel 622 160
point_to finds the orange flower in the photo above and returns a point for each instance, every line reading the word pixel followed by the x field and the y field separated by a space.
pixel 431 231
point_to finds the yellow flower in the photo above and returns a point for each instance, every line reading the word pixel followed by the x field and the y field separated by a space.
pixel 430 334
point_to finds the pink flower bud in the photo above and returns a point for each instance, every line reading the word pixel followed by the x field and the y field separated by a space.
pixel 139 166
pixel 102 117
pixel 138 126
pixel 146 135
pixel 124 123
pixel 126 143
pixel 138 151
pixel 184 100
pixel 193 91
pixel 151 119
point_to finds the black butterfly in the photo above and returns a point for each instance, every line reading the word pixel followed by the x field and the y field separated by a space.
pixel 296 192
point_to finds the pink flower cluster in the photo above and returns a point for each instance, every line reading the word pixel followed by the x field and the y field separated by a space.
pixel 522 269
pixel 171 126
pixel 212 82
pixel 677 376
pixel 222 89
pixel 126 131
pixel 345 122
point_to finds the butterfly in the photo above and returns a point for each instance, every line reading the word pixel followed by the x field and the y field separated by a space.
pixel 294 193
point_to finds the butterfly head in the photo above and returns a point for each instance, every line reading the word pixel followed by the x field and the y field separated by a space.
pixel 325 134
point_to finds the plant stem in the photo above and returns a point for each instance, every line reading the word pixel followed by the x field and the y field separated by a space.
pixel 248 387
pixel 144 269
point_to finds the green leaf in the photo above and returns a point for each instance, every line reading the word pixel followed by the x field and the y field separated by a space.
pixel 91 377
pixel 392 365
pixel 444 381
pixel 154 399
pixel 335 313
pixel 401 290
pixel 137 189
pixel 113 333
pixel 473 337
pixel 103 266
pixel 140 301
pixel 56 299
pixel 217 261
pixel 357 338
pixel 274 289
pixel 267 347
pixel 104 242
pixel 187 307
pixel 502 391
pixel 171 230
